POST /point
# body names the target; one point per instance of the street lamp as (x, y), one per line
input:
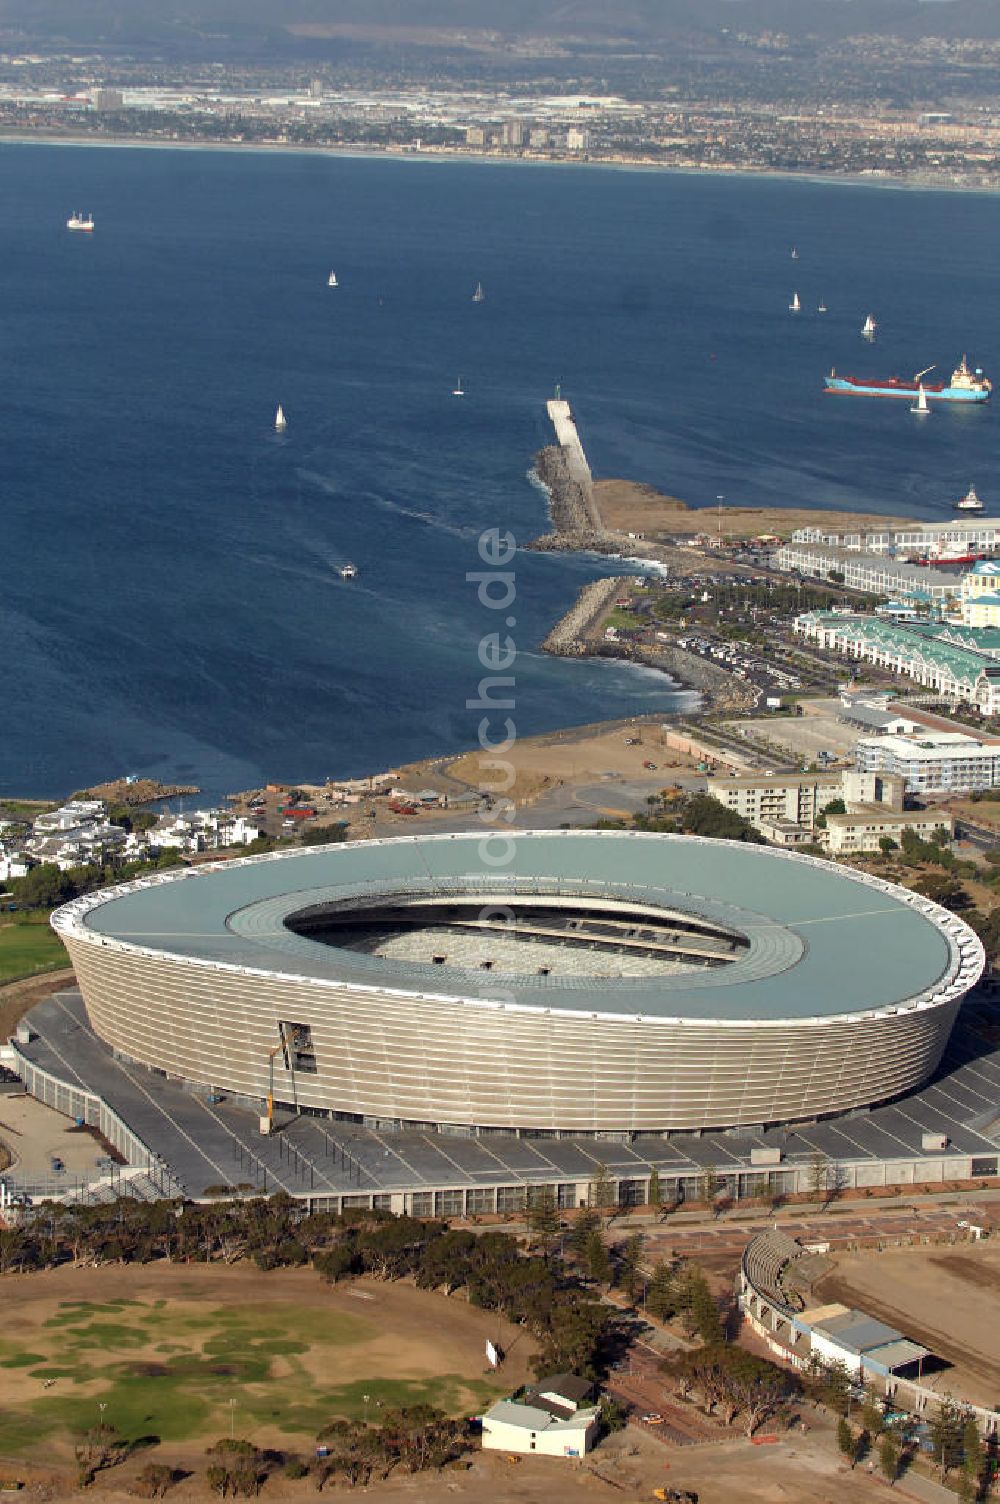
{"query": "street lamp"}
(720, 500)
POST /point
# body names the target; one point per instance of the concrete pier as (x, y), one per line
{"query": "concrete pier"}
(568, 476)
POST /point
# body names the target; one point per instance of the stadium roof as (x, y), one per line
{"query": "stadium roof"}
(823, 942)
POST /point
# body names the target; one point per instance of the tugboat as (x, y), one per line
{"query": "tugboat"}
(348, 572)
(77, 221)
(969, 502)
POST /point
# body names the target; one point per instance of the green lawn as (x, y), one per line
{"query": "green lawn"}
(170, 1369)
(27, 945)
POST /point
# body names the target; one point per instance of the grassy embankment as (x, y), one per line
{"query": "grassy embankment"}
(28, 946)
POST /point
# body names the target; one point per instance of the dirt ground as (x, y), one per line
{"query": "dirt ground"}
(542, 762)
(803, 1470)
(947, 1298)
(35, 1134)
(631, 507)
(817, 729)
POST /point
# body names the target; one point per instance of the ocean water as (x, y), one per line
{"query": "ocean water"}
(169, 599)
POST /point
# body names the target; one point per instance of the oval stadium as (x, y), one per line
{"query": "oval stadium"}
(567, 982)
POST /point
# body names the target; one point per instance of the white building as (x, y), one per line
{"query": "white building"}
(785, 806)
(77, 833)
(200, 830)
(869, 572)
(933, 762)
(71, 815)
(932, 540)
(552, 1419)
(864, 829)
(981, 595)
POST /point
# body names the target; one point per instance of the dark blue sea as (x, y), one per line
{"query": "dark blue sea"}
(169, 596)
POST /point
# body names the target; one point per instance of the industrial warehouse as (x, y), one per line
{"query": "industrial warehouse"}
(408, 1016)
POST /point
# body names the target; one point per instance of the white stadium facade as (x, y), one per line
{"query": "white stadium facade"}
(553, 983)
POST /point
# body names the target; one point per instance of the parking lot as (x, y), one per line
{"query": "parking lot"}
(818, 729)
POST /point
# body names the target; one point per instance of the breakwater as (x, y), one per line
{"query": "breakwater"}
(571, 635)
(564, 470)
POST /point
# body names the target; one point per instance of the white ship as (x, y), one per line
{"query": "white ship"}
(78, 221)
(969, 502)
(348, 571)
(331, 280)
(869, 327)
(280, 421)
(795, 305)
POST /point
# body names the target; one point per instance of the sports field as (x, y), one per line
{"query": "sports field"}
(185, 1352)
(946, 1297)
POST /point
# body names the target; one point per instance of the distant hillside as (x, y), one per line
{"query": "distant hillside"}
(652, 20)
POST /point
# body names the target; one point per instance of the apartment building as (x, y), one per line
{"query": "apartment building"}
(932, 762)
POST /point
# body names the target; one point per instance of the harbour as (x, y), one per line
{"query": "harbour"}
(225, 648)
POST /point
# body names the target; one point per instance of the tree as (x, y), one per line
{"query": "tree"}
(944, 890)
(818, 1174)
(661, 1296)
(696, 1301)
(630, 1267)
(847, 1441)
(602, 1195)
(154, 1480)
(598, 1262)
(586, 1222)
(654, 1195)
(872, 1411)
(946, 1427)
(708, 1186)
(887, 844)
(973, 1458)
(830, 1383)
(542, 1217)
(889, 1454)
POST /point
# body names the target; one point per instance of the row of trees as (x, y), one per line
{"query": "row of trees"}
(541, 1292)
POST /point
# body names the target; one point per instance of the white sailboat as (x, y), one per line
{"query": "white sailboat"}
(280, 421)
(479, 296)
(821, 308)
(869, 327)
(331, 280)
(795, 253)
(795, 306)
(458, 390)
(920, 406)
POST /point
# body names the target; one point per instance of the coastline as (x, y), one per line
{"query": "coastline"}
(445, 155)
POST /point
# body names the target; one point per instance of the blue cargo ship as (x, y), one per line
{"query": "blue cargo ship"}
(965, 385)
